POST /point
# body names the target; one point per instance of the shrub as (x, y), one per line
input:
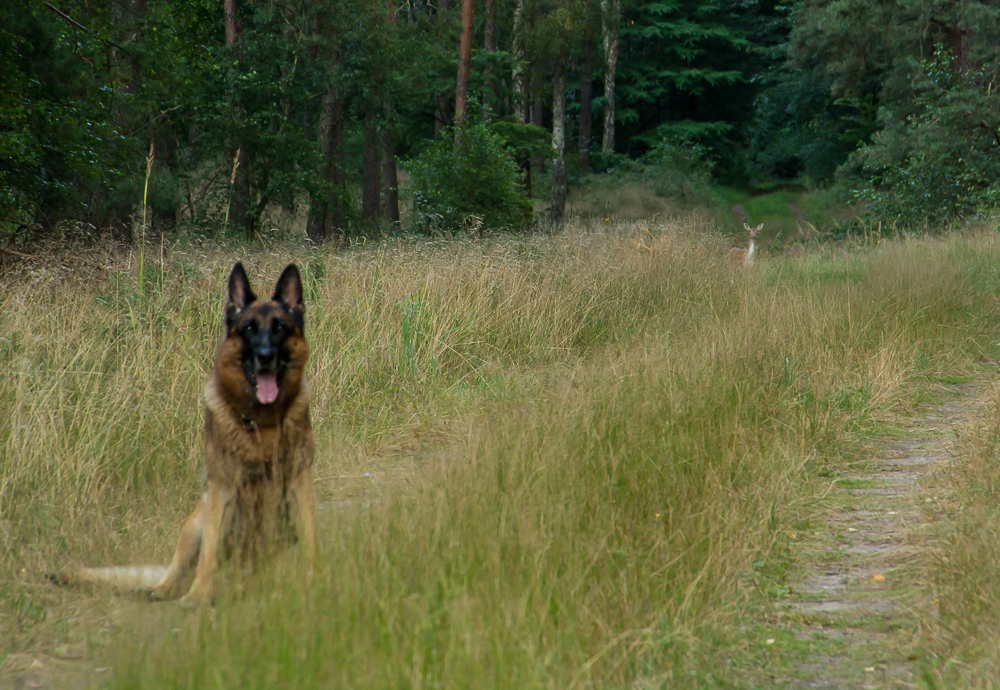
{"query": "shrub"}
(468, 173)
(674, 169)
(939, 164)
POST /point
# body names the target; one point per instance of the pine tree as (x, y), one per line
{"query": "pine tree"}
(674, 62)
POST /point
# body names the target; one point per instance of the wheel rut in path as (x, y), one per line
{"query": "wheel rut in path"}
(851, 620)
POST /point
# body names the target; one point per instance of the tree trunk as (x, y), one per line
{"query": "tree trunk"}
(959, 42)
(538, 120)
(390, 179)
(327, 215)
(559, 185)
(490, 44)
(390, 190)
(464, 60)
(489, 30)
(519, 75)
(586, 97)
(106, 207)
(138, 15)
(240, 180)
(609, 24)
(442, 107)
(337, 216)
(519, 80)
(441, 114)
(371, 180)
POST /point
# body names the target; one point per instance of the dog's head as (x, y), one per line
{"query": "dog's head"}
(267, 336)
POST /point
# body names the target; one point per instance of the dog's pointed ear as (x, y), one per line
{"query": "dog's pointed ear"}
(288, 293)
(240, 294)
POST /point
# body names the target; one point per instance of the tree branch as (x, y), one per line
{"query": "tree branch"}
(67, 17)
(85, 29)
(995, 133)
(11, 252)
(20, 224)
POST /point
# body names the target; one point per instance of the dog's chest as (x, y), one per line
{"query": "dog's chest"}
(249, 444)
(238, 446)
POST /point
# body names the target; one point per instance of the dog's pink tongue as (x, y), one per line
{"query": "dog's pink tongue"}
(267, 388)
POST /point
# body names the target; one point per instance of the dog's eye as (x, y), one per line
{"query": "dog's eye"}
(250, 327)
(278, 326)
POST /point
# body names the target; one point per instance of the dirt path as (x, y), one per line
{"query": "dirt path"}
(850, 621)
(797, 211)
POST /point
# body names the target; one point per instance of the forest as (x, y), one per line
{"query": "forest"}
(203, 116)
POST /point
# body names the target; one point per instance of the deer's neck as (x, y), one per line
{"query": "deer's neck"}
(750, 250)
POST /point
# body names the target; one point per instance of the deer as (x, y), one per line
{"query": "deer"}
(744, 257)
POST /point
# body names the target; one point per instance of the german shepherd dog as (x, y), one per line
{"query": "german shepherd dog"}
(258, 449)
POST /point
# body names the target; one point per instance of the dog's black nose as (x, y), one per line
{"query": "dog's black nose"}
(265, 352)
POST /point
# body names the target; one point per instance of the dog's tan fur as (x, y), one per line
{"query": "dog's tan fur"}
(258, 462)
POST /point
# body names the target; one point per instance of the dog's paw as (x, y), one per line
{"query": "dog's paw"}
(190, 601)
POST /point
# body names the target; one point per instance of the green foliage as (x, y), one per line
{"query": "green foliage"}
(469, 172)
(676, 170)
(56, 141)
(522, 138)
(673, 55)
(941, 163)
(858, 102)
(81, 107)
(679, 171)
(802, 130)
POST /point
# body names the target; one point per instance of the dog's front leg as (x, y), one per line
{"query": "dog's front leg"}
(218, 511)
(188, 546)
(304, 514)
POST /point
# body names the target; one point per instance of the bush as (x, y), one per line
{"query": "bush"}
(469, 173)
(676, 170)
(939, 164)
(679, 170)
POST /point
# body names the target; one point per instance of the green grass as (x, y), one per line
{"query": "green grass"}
(559, 460)
(790, 212)
(773, 206)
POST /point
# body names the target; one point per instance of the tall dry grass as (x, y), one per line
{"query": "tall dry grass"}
(586, 454)
(960, 631)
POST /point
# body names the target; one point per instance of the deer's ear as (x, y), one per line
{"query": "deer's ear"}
(759, 228)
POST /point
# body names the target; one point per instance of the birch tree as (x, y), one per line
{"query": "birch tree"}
(520, 82)
(609, 26)
(559, 182)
